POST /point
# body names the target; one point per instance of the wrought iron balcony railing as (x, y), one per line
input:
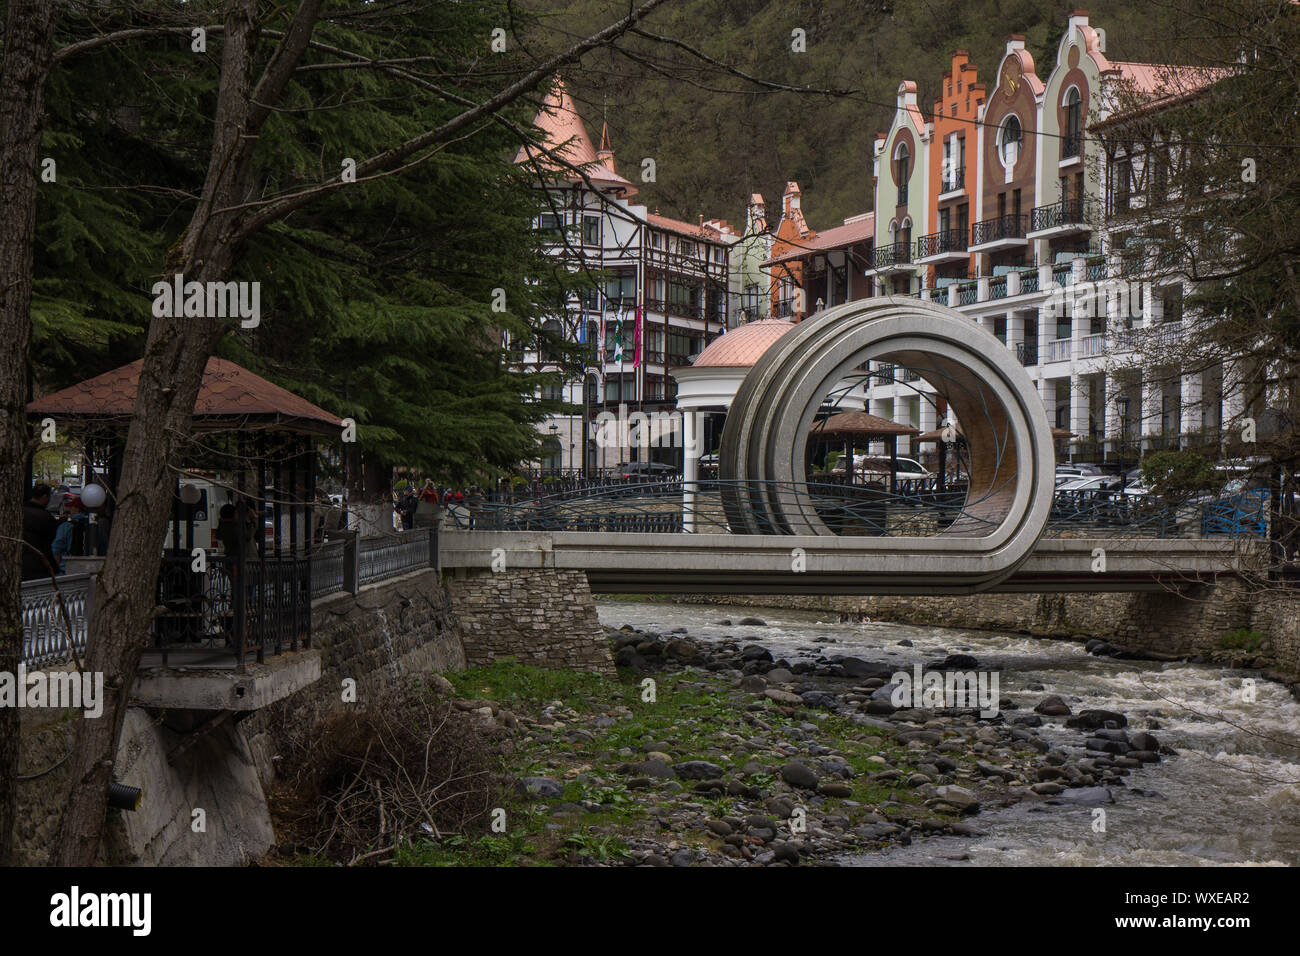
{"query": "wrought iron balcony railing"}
(1002, 227)
(885, 257)
(937, 243)
(1067, 212)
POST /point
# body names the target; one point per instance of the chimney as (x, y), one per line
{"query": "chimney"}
(790, 201)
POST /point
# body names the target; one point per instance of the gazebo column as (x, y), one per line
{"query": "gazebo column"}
(692, 438)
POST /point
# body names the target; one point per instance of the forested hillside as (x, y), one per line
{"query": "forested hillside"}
(712, 149)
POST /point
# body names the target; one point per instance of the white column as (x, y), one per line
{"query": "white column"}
(1015, 330)
(692, 436)
(1112, 424)
(1047, 392)
(1152, 404)
(1080, 405)
(1192, 411)
(1234, 396)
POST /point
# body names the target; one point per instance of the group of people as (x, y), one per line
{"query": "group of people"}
(431, 499)
(49, 540)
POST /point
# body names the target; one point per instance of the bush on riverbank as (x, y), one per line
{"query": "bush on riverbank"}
(364, 784)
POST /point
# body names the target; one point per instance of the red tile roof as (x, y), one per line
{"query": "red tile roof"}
(565, 135)
(228, 395)
(684, 228)
(853, 231)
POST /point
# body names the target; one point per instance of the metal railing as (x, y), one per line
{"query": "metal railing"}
(1067, 212)
(1028, 281)
(1027, 352)
(954, 180)
(390, 555)
(937, 243)
(998, 287)
(327, 568)
(968, 293)
(1002, 227)
(885, 257)
(230, 612)
(48, 636)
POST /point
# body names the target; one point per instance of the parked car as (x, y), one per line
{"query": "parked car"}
(876, 468)
(1091, 483)
(647, 470)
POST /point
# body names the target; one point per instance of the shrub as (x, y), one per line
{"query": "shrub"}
(1242, 639)
(362, 784)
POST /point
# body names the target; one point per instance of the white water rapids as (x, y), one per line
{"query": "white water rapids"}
(1231, 796)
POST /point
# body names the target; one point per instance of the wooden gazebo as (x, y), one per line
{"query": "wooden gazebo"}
(258, 438)
(855, 427)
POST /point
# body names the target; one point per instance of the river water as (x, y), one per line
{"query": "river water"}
(1231, 796)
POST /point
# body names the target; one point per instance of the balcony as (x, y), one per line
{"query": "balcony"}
(1058, 350)
(1027, 352)
(953, 182)
(1028, 281)
(948, 246)
(998, 288)
(1063, 218)
(1071, 146)
(1093, 346)
(1003, 232)
(892, 258)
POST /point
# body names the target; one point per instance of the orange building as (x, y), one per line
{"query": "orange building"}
(953, 174)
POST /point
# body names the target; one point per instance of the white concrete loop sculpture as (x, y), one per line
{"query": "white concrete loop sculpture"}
(762, 461)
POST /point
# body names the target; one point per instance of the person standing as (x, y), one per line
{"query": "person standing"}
(70, 538)
(39, 528)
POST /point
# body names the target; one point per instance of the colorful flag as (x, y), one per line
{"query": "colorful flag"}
(618, 338)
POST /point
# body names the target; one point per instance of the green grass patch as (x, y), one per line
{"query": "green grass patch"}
(1242, 639)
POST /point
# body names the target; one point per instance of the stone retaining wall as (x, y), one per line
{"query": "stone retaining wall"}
(538, 616)
(402, 626)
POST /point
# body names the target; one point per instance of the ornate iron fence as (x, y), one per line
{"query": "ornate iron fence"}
(55, 619)
(389, 555)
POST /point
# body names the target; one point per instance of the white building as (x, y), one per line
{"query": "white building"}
(667, 288)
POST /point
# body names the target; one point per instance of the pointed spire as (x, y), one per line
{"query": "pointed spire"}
(606, 152)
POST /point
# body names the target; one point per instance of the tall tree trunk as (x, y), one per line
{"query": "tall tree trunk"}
(22, 86)
(175, 356)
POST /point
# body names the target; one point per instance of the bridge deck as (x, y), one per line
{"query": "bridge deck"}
(820, 564)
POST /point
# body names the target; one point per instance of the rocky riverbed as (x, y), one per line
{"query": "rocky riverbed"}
(724, 753)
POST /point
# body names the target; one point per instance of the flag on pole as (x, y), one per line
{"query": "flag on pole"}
(618, 337)
(600, 345)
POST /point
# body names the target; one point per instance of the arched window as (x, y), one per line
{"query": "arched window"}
(1009, 140)
(1073, 141)
(902, 160)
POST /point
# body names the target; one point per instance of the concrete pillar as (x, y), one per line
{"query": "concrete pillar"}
(1152, 405)
(1192, 412)
(1080, 406)
(1047, 391)
(1015, 330)
(1111, 428)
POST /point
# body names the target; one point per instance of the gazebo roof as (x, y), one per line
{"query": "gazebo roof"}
(861, 424)
(229, 395)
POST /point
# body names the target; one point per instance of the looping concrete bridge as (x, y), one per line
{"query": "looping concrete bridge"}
(779, 541)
